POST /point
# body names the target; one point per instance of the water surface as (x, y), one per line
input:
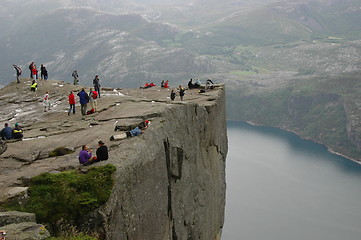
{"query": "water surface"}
(280, 187)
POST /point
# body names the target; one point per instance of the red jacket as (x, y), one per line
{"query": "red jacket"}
(71, 98)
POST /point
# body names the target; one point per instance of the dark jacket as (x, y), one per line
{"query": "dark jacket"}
(83, 96)
(7, 133)
(102, 153)
(96, 82)
(18, 133)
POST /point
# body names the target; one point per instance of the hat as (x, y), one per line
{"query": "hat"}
(101, 142)
(16, 124)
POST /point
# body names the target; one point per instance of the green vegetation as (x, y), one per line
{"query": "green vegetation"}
(313, 107)
(66, 196)
(77, 237)
(60, 151)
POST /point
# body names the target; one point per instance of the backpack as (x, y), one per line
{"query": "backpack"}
(91, 111)
(95, 94)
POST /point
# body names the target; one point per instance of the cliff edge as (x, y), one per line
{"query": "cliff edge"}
(169, 182)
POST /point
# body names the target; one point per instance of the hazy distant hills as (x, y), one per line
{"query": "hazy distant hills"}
(291, 63)
(118, 47)
(130, 42)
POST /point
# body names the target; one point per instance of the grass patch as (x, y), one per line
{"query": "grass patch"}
(66, 196)
(60, 151)
(77, 237)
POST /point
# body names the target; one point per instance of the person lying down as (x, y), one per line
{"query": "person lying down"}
(132, 133)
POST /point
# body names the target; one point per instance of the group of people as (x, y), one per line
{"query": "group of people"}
(163, 84)
(86, 157)
(192, 85)
(33, 74)
(197, 84)
(132, 132)
(181, 91)
(34, 71)
(84, 99)
(8, 133)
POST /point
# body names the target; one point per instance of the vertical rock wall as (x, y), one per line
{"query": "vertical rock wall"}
(173, 183)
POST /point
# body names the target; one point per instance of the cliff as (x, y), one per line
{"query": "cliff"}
(169, 182)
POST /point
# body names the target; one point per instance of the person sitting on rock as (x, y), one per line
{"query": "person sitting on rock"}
(17, 132)
(146, 85)
(197, 84)
(172, 95)
(102, 151)
(166, 84)
(6, 132)
(34, 85)
(209, 84)
(191, 84)
(85, 156)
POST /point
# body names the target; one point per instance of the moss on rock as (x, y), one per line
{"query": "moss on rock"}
(67, 195)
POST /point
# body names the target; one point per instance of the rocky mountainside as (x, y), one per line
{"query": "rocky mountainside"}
(169, 182)
(323, 109)
(255, 47)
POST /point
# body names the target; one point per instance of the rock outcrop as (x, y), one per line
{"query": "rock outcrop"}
(19, 225)
(170, 181)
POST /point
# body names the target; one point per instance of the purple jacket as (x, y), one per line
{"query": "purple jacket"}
(84, 156)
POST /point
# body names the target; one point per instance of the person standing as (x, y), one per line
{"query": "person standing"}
(75, 76)
(43, 72)
(172, 95)
(96, 84)
(181, 92)
(31, 66)
(71, 98)
(93, 95)
(18, 72)
(102, 151)
(84, 99)
(46, 101)
(35, 72)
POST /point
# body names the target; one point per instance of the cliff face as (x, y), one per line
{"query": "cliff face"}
(173, 185)
(170, 181)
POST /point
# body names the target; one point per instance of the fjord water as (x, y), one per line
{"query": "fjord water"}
(280, 187)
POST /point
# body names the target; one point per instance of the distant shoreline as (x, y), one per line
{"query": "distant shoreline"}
(308, 139)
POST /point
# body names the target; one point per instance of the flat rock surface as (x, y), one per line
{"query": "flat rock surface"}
(14, 217)
(26, 231)
(46, 131)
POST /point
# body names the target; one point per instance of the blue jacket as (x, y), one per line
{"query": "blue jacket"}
(7, 133)
(83, 96)
(135, 132)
